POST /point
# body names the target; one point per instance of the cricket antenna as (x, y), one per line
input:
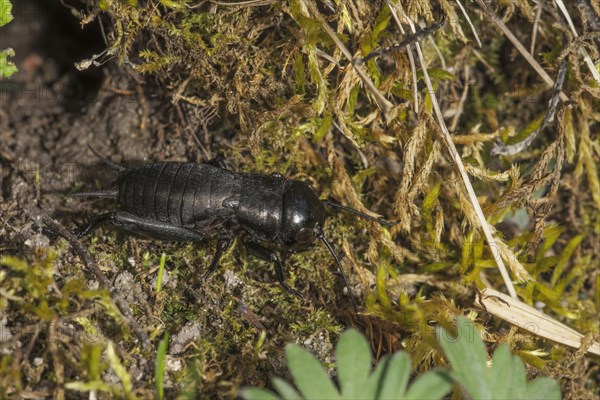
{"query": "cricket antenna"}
(319, 233)
(333, 204)
(112, 165)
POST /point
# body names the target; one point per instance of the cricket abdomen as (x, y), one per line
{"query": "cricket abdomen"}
(178, 193)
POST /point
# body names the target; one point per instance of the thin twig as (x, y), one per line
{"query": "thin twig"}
(90, 264)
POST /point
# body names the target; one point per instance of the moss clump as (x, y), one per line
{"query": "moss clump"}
(266, 86)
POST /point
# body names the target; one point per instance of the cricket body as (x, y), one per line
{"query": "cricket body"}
(191, 202)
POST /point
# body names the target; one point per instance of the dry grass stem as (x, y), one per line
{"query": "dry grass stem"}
(492, 242)
(462, 9)
(530, 319)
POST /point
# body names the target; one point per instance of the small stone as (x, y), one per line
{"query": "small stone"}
(189, 333)
(174, 364)
(37, 241)
(124, 284)
(231, 279)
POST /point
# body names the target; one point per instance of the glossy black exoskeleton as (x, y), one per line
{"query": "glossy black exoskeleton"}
(191, 202)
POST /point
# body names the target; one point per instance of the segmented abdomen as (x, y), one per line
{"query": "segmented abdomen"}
(179, 193)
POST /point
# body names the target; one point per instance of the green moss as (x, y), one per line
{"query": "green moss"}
(295, 111)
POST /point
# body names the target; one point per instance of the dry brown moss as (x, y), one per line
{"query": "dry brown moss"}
(288, 101)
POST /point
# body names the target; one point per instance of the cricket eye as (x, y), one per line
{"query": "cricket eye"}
(305, 236)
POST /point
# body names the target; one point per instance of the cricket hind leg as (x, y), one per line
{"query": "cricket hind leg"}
(83, 230)
(143, 226)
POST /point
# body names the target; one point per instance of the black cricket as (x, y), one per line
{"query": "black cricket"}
(189, 202)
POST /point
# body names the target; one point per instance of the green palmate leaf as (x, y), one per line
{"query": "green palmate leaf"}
(376, 378)
(431, 385)
(285, 390)
(309, 375)
(393, 385)
(257, 394)
(356, 378)
(505, 379)
(542, 388)
(513, 371)
(466, 349)
(354, 366)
